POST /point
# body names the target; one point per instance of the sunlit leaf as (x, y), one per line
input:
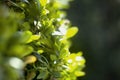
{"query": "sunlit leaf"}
(71, 32)
(25, 36)
(45, 11)
(79, 73)
(33, 37)
(43, 2)
(40, 51)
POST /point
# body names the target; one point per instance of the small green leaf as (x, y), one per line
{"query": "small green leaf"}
(33, 38)
(45, 11)
(57, 74)
(43, 2)
(42, 75)
(79, 73)
(53, 57)
(71, 32)
(40, 51)
(25, 36)
(64, 52)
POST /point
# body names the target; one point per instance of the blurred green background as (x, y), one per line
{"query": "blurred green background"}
(98, 37)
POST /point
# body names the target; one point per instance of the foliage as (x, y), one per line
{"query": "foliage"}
(35, 41)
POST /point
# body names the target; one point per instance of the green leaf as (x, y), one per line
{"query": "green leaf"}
(43, 2)
(20, 50)
(57, 74)
(71, 32)
(26, 35)
(42, 75)
(53, 57)
(79, 73)
(26, 26)
(33, 38)
(45, 11)
(21, 37)
(64, 52)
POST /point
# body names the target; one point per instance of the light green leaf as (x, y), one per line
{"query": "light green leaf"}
(33, 38)
(43, 2)
(20, 50)
(53, 57)
(79, 73)
(45, 11)
(71, 32)
(64, 52)
(25, 36)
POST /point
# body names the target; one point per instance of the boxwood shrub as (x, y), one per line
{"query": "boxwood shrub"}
(35, 40)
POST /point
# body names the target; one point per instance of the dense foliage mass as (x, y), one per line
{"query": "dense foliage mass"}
(35, 41)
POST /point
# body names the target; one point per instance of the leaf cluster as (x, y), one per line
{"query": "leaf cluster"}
(35, 41)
